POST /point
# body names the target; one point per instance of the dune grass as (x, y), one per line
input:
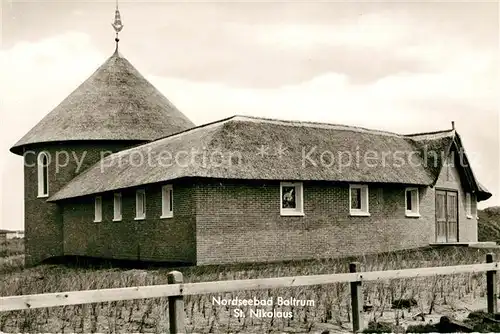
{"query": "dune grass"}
(331, 309)
(11, 247)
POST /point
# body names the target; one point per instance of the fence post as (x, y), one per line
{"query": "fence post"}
(356, 299)
(176, 305)
(491, 285)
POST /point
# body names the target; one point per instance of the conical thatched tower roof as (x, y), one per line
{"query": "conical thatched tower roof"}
(115, 103)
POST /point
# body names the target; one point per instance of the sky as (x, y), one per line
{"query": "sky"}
(403, 67)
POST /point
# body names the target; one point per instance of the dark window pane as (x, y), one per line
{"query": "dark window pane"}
(289, 199)
(408, 200)
(45, 174)
(356, 198)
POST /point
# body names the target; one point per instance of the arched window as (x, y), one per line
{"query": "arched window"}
(43, 174)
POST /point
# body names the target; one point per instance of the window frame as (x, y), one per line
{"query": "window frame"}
(468, 205)
(299, 199)
(365, 200)
(414, 213)
(42, 170)
(142, 193)
(167, 199)
(97, 209)
(117, 209)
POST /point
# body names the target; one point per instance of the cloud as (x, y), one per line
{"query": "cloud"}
(366, 46)
(370, 30)
(333, 97)
(35, 78)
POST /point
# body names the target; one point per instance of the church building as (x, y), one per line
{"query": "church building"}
(116, 171)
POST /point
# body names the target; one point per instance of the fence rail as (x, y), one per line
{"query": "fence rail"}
(176, 289)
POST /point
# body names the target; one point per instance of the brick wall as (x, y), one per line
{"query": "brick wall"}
(42, 220)
(241, 222)
(225, 221)
(152, 239)
(467, 226)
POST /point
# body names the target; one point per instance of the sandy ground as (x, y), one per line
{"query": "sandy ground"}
(457, 309)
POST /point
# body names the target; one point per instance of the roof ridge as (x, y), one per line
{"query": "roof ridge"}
(221, 121)
(428, 133)
(333, 126)
(194, 128)
(291, 122)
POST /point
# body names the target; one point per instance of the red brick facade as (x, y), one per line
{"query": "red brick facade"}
(43, 220)
(226, 221)
(151, 239)
(254, 230)
(240, 221)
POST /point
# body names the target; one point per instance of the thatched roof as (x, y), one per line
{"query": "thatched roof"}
(248, 148)
(115, 103)
(445, 143)
(434, 142)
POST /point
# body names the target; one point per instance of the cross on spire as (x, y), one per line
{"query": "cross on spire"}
(117, 25)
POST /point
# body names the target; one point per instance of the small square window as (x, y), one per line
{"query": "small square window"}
(358, 200)
(117, 207)
(98, 209)
(291, 199)
(167, 201)
(412, 202)
(140, 204)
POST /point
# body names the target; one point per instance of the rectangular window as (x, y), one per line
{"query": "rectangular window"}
(43, 175)
(98, 209)
(140, 204)
(167, 201)
(117, 207)
(412, 202)
(468, 205)
(291, 199)
(358, 200)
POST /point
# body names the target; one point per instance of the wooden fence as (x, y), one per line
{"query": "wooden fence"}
(176, 289)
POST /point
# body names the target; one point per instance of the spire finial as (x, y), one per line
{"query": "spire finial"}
(453, 125)
(117, 25)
